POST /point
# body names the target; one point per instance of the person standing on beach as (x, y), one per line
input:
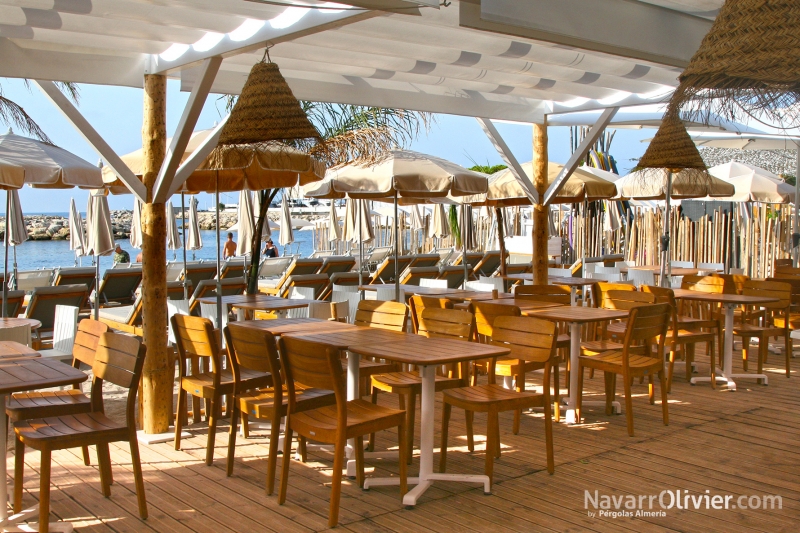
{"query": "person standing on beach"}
(120, 255)
(230, 248)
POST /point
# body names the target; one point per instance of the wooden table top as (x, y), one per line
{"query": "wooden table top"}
(15, 350)
(553, 280)
(15, 322)
(284, 326)
(31, 374)
(676, 271)
(524, 305)
(457, 295)
(581, 315)
(256, 302)
(737, 299)
(358, 336)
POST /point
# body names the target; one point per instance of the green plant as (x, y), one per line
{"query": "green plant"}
(12, 113)
(487, 168)
(452, 219)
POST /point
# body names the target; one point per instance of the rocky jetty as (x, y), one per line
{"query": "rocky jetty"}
(56, 228)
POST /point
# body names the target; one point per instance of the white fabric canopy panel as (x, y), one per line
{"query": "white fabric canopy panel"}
(753, 184)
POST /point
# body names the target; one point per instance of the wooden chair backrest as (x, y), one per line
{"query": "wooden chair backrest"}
(486, 314)
(779, 263)
(645, 323)
(770, 289)
(712, 284)
(252, 349)
(627, 300)
(662, 294)
(601, 288)
(447, 323)
(795, 284)
(417, 303)
(86, 341)
(382, 314)
(734, 283)
(119, 360)
(543, 293)
(195, 337)
(314, 364)
(529, 339)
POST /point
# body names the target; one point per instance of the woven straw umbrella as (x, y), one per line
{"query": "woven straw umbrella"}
(673, 151)
(749, 62)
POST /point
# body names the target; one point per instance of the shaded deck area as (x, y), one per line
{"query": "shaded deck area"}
(727, 443)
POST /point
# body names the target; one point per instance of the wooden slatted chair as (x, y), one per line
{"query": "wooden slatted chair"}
(257, 351)
(417, 303)
(119, 360)
(532, 342)
(196, 340)
(794, 313)
(318, 365)
(544, 293)
(646, 324)
(779, 309)
(43, 404)
(695, 315)
(408, 385)
(682, 341)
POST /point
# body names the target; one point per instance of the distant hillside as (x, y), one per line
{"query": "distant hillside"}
(781, 162)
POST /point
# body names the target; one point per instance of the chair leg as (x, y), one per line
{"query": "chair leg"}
(446, 408)
(470, 416)
(664, 401)
(287, 460)
(671, 369)
(788, 349)
(556, 394)
(712, 354)
(520, 382)
(763, 350)
(651, 391)
(688, 350)
(86, 460)
(19, 472)
(138, 478)
(497, 435)
(608, 378)
(302, 449)
(548, 437)
(411, 412)
(403, 467)
(104, 461)
(371, 445)
(232, 438)
(245, 424)
(628, 404)
(745, 346)
(211, 413)
(360, 461)
(491, 446)
(44, 492)
(336, 483)
(179, 418)
(272, 460)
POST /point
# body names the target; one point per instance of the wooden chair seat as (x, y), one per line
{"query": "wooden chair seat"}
(367, 368)
(760, 332)
(202, 384)
(29, 405)
(616, 329)
(794, 321)
(599, 346)
(261, 403)
(612, 360)
(563, 341)
(406, 382)
(362, 417)
(60, 432)
(480, 398)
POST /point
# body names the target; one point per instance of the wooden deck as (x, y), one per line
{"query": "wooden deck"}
(737, 443)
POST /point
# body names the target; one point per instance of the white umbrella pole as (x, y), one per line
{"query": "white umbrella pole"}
(360, 249)
(396, 252)
(219, 281)
(97, 288)
(15, 268)
(183, 223)
(464, 245)
(665, 246)
(5, 257)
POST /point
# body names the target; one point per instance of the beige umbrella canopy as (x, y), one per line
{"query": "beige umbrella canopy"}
(651, 184)
(505, 190)
(753, 184)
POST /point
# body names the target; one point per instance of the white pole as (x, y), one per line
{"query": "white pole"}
(665, 245)
(5, 257)
(219, 281)
(183, 223)
(396, 252)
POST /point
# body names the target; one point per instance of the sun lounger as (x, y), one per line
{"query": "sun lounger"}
(378, 255)
(128, 318)
(412, 275)
(16, 300)
(43, 302)
(454, 276)
(233, 268)
(337, 263)
(27, 280)
(74, 276)
(385, 271)
(425, 260)
(472, 258)
(119, 285)
(207, 288)
(344, 279)
(445, 255)
(311, 282)
(488, 264)
(299, 267)
(199, 272)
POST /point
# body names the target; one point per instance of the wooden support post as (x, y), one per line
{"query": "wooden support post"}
(540, 220)
(158, 375)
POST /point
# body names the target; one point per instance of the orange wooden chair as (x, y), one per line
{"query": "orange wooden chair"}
(775, 324)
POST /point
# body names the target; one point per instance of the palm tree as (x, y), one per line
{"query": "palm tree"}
(351, 133)
(12, 113)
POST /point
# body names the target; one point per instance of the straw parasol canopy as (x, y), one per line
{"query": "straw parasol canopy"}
(749, 62)
(673, 149)
(753, 184)
(505, 190)
(253, 167)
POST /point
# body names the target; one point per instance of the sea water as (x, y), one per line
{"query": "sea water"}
(35, 255)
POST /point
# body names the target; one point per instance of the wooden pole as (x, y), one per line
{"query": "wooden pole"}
(158, 374)
(501, 238)
(540, 220)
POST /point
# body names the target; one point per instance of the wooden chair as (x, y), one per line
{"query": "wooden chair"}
(544, 293)
(645, 325)
(318, 365)
(680, 340)
(417, 303)
(533, 343)
(600, 290)
(794, 313)
(119, 360)
(782, 263)
(786, 272)
(196, 339)
(702, 315)
(779, 310)
(43, 404)
(43, 302)
(413, 275)
(408, 385)
(257, 351)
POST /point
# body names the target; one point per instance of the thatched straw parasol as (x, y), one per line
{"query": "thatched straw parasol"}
(748, 63)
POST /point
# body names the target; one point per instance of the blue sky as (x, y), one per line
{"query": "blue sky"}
(116, 113)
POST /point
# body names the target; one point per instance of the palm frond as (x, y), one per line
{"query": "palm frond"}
(72, 90)
(12, 113)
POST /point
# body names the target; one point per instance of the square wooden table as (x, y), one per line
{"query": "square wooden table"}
(729, 303)
(575, 317)
(572, 283)
(284, 326)
(258, 302)
(18, 375)
(456, 295)
(526, 307)
(427, 354)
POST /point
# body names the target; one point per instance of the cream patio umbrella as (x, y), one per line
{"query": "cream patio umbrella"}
(39, 165)
(173, 237)
(753, 184)
(439, 227)
(194, 240)
(266, 230)
(136, 224)
(334, 230)
(287, 233)
(99, 236)
(16, 232)
(405, 174)
(244, 224)
(77, 237)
